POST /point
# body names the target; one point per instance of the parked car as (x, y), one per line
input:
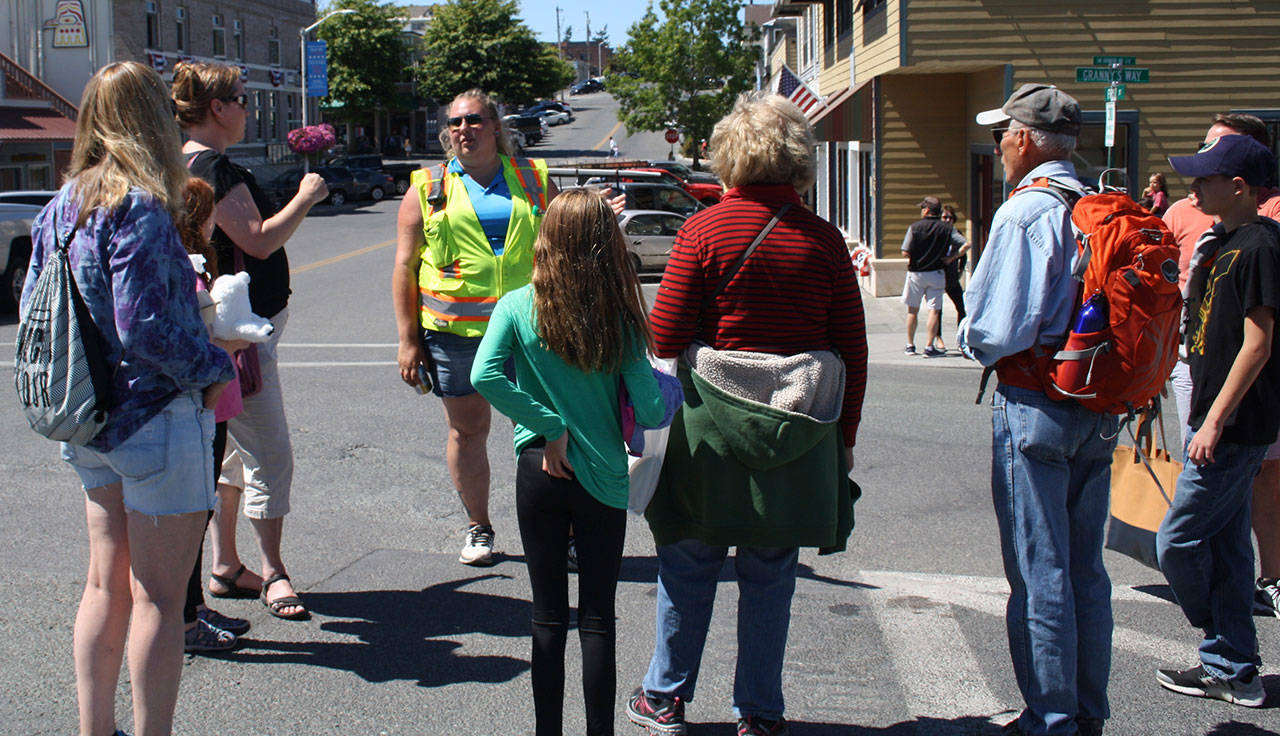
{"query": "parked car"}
(586, 86)
(373, 184)
(644, 195)
(531, 126)
(650, 235)
(400, 172)
(38, 197)
(342, 185)
(15, 250)
(707, 194)
(555, 117)
(538, 108)
(686, 173)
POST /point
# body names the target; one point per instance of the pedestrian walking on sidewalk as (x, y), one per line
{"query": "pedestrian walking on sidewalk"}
(147, 474)
(954, 264)
(1232, 294)
(759, 302)
(927, 244)
(577, 334)
(1051, 467)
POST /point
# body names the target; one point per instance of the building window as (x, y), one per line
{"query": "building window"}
(273, 45)
(259, 119)
(273, 102)
(219, 37)
(180, 43)
(807, 31)
(237, 38)
(153, 26)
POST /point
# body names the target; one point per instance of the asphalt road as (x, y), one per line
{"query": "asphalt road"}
(902, 634)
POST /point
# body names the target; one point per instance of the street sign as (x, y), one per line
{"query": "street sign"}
(1109, 138)
(317, 69)
(672, 136)
(1121, 60)
(1115, 92)
(1107, 74)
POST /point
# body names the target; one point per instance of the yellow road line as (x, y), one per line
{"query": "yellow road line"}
(605, 140)
(343, 257)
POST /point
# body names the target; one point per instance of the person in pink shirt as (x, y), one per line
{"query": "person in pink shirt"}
(1188, 223)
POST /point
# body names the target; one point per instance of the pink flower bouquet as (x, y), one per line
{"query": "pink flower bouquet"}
(312, 139)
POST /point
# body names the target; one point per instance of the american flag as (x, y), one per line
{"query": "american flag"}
(790, 87)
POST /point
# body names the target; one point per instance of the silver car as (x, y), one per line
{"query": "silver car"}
(650, 235)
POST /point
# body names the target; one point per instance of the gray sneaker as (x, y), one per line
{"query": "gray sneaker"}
(1266, 597)
(1197, 682)
(478, 550)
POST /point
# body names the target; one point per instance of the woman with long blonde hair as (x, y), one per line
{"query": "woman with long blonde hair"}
(148, 474)
(577, 334)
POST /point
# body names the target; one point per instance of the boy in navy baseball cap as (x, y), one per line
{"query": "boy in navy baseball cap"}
(1233, 346)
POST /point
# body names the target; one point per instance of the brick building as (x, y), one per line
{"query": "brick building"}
(62, 42)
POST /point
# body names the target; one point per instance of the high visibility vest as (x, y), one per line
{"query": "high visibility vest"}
(460, 279)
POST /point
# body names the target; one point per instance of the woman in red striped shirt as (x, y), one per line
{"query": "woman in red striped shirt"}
(773, 361)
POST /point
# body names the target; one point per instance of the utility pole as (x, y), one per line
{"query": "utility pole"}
(559, 43)
(588, 14)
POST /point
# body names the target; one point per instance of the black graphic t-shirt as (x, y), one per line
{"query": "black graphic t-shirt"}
(1246, 274)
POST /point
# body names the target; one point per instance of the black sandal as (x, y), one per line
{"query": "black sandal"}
(229, 582)
(289, 601)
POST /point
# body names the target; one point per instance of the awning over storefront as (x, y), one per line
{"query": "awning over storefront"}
(845, 116)
(836, 101)
(26, 124)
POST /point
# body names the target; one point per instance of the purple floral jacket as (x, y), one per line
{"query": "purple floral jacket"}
(140, 289)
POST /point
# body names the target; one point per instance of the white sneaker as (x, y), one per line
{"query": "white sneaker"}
(478, 550)
(1266, 597)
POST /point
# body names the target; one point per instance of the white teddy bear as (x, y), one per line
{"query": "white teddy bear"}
(234, 318)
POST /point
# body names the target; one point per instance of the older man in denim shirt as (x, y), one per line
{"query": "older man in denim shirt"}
(1051, 460)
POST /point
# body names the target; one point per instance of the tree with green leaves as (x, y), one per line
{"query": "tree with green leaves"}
(679, 61)
(602, 35)
(362, 47)
(568, 34)
(483, 43)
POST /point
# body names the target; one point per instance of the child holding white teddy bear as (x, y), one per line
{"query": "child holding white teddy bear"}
(233, 326)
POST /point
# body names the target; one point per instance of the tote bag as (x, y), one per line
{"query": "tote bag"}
(1143, 480)
(60, 371)
(645, 470)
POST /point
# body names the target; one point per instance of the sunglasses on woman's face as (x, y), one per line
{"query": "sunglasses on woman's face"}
(471, 119)
(241, 99)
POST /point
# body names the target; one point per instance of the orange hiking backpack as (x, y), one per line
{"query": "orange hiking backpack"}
(1124, 337)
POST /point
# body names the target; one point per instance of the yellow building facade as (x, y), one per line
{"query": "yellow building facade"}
(902, 81)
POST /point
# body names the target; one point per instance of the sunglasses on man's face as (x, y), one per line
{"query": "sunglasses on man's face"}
(241, 99)
(998, 134)
(471, 119)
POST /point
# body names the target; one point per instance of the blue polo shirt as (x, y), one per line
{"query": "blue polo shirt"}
(492, 205)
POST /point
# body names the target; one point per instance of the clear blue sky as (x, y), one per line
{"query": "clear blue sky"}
(540, 15)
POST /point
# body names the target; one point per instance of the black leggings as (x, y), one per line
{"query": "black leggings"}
(956, 292)
(195, 593)
(546, 508)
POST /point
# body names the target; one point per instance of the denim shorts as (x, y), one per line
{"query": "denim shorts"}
(450, 364)
(165, 468)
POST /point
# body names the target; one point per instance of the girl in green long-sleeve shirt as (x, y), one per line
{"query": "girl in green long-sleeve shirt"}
(576, 333)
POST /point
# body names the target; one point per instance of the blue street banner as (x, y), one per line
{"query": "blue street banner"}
(317, 69)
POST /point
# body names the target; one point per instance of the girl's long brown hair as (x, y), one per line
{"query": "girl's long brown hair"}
(588, 306)
(197, 196)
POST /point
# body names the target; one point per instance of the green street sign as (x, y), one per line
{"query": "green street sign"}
(1115, 92)
(1121, 60)
(1108, 75)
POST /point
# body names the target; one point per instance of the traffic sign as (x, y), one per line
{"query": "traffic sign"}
(1107, 74)
(1115, 92)
(673, 135)
(317, 69)
(1121, 60)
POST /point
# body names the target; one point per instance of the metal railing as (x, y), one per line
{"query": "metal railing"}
(33, 87)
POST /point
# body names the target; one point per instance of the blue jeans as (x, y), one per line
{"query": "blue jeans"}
(1050, 481)
(687, 573)
(1206, 554)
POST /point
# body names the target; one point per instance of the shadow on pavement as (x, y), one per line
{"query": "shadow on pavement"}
(399, 641)
(963, 726)
(645, 570)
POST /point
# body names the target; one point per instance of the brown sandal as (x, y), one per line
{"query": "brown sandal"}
(229, 582)
(289, 601)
